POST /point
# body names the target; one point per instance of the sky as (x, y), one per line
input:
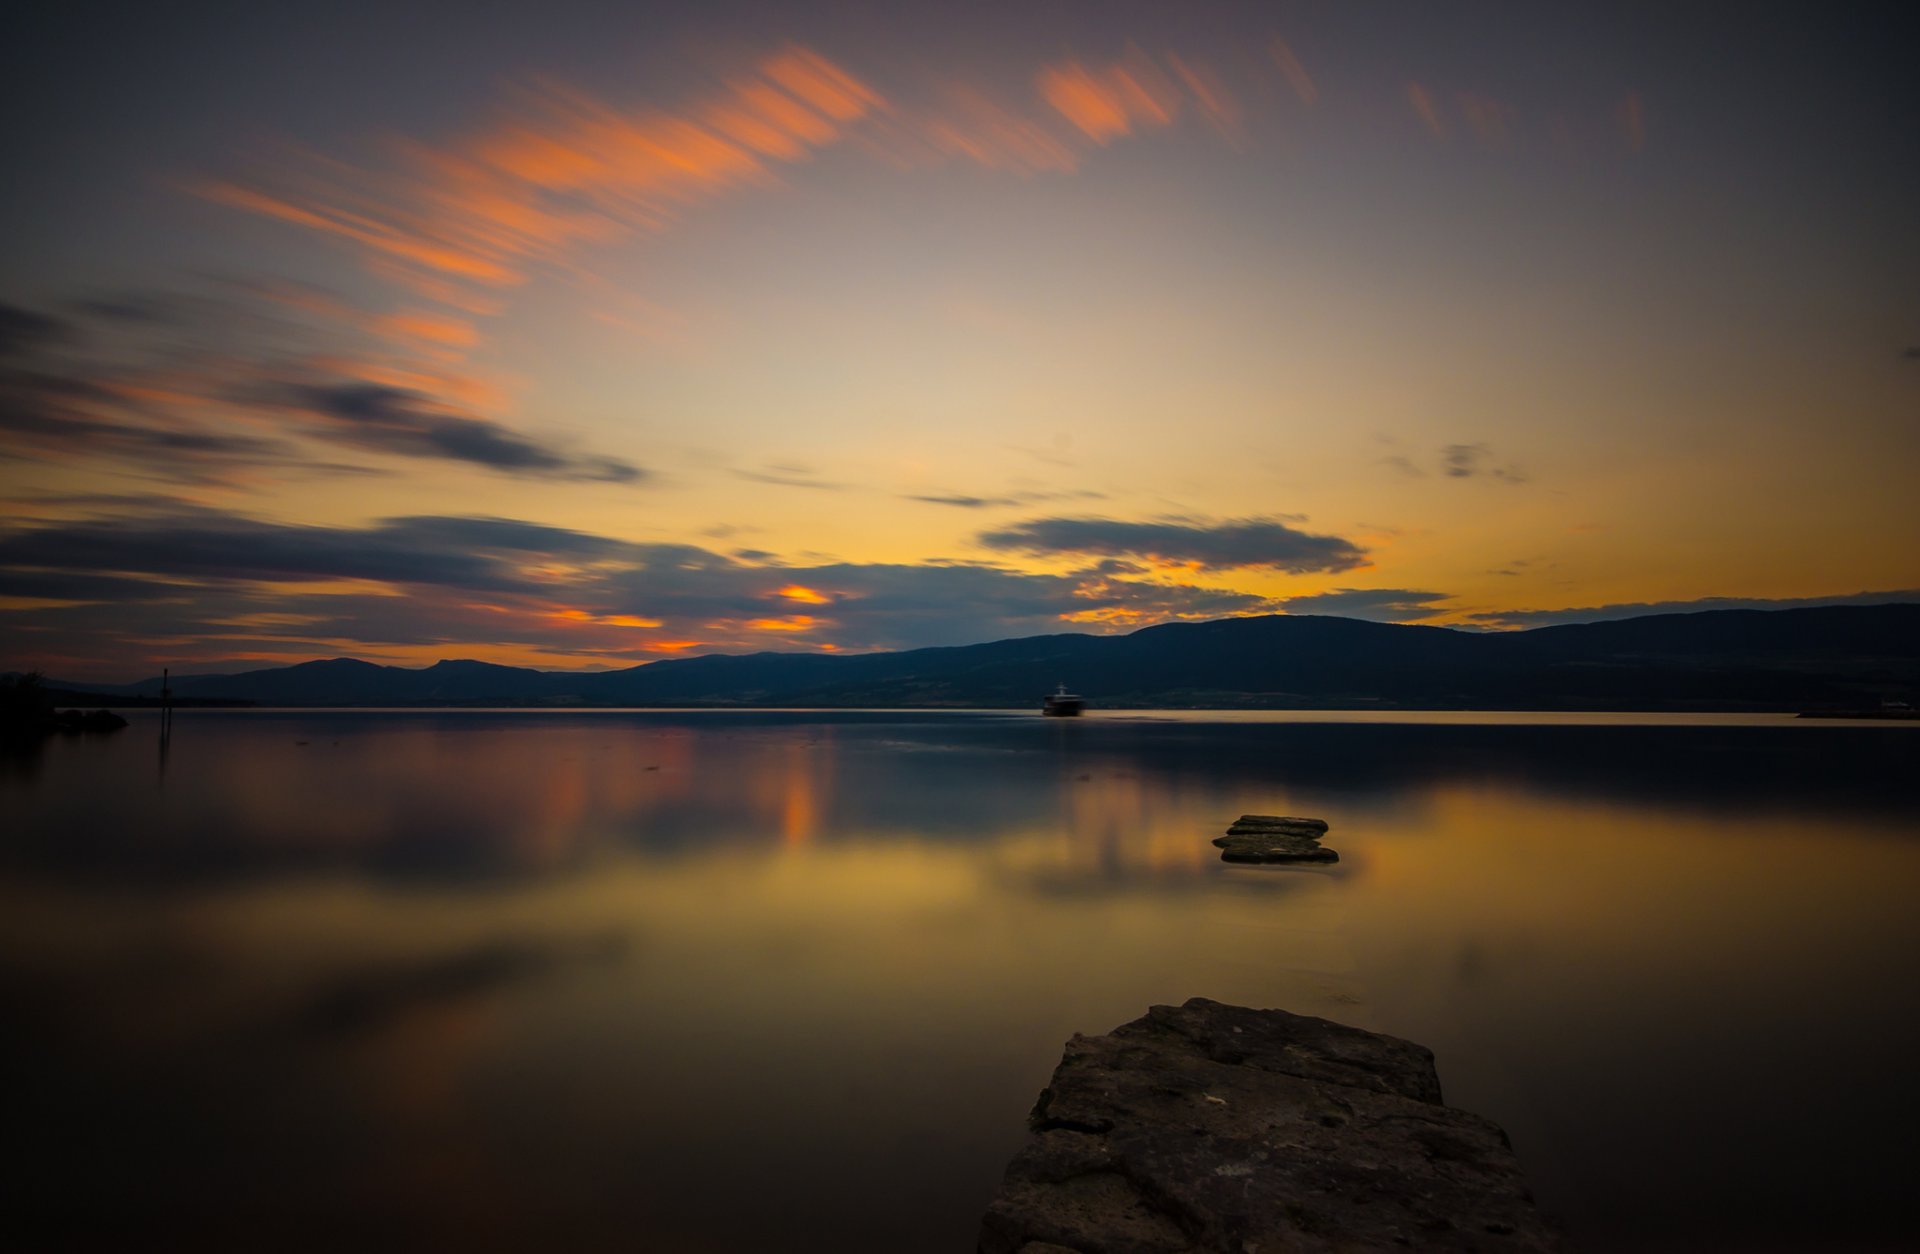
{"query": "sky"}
(581, 335)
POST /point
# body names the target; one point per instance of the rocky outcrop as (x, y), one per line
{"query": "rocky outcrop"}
(1207, 1127)
(1275, 838)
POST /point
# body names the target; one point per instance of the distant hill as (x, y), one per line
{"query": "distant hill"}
(1828, 657)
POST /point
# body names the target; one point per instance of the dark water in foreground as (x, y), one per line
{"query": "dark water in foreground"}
(787, 981)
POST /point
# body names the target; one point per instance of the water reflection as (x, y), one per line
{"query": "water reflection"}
(525, 980)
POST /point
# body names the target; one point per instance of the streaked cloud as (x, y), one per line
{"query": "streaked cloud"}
(562, 171)
(970, 124)
(1108, 102)
(204, 391)
(410, 424)
(1235, 543)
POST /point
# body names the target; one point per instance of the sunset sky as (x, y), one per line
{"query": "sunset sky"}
(585, 334)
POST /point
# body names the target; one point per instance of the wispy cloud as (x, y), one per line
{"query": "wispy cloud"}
(1465, 461)
(790, 475)
(963, 501)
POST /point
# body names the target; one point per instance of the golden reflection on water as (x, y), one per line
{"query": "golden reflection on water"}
(501, 977)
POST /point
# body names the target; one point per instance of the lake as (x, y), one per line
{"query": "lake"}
(732, 981)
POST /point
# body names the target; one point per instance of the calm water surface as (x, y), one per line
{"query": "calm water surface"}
(787, 981)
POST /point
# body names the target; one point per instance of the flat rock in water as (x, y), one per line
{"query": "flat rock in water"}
(1250, 823)
(1273, 847)
(1206, 1127)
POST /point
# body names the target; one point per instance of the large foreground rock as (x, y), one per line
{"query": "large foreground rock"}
(1207, 1127)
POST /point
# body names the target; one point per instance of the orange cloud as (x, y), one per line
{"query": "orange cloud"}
(977, 128)
(385, 239)
(793, 622)
(1112, 615)
(609, 620)
(565, 172)
(805, 595)
(821, 84)
(1109, 103)
(430, 328)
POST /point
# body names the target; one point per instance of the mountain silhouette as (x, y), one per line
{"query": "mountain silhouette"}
(1827, 657)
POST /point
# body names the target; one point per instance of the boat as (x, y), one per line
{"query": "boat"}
(1063, 704)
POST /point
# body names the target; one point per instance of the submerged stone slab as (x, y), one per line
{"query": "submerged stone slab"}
(1273, 847)
(1206, 1127)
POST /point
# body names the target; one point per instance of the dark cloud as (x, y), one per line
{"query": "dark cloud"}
(51, 417)
(23, 330)
(192, 584)
(213, 545)
(1381, 605)
(1459, 461)
(85, 586)
(1464, 461)
(1635, 609)
(138, 307)
(395, 420)
(177, 387)
(1114, 566)
(1233, 543)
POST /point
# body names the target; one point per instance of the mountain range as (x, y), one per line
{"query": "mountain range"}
(1795, 659)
